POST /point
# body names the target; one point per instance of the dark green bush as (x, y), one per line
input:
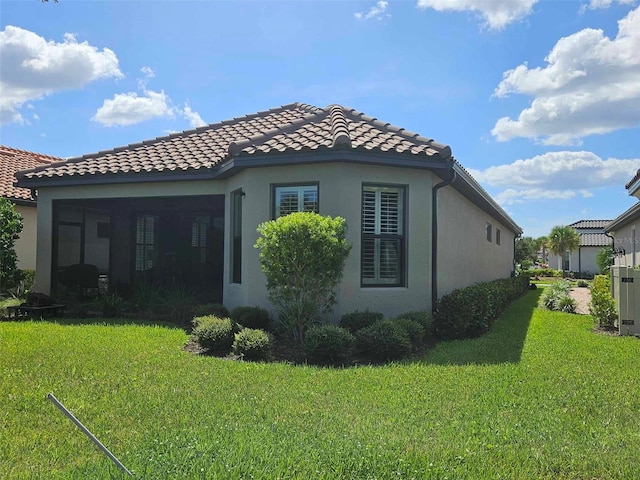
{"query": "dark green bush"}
(329, 345)
(252, 317)
(355, 321)
(110, 305)
(602, 306)
(423, 317)
(211, 309)
(214, 333)
(252, 344)
(383, 341)
(471, 311)
(414, 330)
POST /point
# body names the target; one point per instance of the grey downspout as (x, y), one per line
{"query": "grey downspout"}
(434, 237)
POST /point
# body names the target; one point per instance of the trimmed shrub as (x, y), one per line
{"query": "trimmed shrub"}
(252, 344)
(414, 330)
(383, 341)
(602, 306)
(252, 317)
(329, 345)
(542, 272)
(422, 317)
(211, 309)
(214, 333)
(471, 311)
(355, 321)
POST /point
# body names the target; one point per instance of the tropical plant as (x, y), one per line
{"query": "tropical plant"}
(10, 228)
(604, 259)
(562, 239)
(302, 255)
(542, 245)
(602, 306)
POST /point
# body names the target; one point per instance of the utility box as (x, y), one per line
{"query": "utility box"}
(625, 286)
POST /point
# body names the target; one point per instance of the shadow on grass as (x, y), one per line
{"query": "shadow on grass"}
(503, 344)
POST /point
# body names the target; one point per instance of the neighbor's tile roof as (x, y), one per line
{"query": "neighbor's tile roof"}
(590, 224)
(11, 161)
(594, 240)
(294, 128)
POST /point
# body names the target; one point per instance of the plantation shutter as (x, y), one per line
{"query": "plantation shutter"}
(296, 199)
(382, 235)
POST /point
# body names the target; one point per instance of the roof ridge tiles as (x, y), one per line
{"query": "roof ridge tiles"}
(339, 127)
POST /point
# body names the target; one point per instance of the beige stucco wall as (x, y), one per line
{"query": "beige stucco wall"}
(25, 245)
(339, 190)
(627, 238)
(465, 256)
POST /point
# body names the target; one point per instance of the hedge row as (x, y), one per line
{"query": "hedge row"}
(470, 312)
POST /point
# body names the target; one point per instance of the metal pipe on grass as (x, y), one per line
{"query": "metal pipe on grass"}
(86, 431)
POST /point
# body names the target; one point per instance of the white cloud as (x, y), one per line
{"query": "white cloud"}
(496, 14)
(511, 196)
(129, 108)
(377, 11)
(558, 175)
(590, 85)
(598, 4)
(33, 67)
(195, 120)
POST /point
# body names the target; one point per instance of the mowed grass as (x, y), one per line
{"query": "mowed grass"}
(541, 396)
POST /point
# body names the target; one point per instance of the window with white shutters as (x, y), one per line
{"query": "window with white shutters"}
(295, 198)
(383, 238)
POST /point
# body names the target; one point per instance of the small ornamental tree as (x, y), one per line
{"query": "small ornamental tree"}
(604, 259)
(10, 228)
(303, 256)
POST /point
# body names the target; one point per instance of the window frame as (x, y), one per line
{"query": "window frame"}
(489, 232)
(498, 240)
(297, 185)
(235, 234)
(403, 238)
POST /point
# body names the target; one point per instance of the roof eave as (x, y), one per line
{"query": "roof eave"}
(488, 204)
(627, 216)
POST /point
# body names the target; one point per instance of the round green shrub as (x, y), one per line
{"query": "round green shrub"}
(383, 341)
(252, 344)
(329, 345)
(214, 333)
(423, 317)
(355, 321)
(414, 330)
(211, 309)
(252, 317)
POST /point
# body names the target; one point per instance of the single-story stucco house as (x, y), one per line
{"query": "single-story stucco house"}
(624, 229)
(592, 239)
(13, 160)
(186, 206)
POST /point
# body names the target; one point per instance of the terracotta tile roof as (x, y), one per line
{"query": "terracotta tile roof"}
(294, 128)
(590, 224)
(13, 160)
(594, 240)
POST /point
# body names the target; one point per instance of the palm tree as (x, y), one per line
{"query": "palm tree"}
(561, 240)
(541, 244)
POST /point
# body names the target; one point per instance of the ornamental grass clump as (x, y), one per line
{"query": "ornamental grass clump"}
(556, 297)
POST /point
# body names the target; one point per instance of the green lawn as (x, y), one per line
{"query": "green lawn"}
(541, 396)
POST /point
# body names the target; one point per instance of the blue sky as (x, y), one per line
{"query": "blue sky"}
(539, 99)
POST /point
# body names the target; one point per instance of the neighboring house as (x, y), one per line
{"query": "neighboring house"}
(185, 208)
(624, 229)
(592, 240)
(11, 161)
